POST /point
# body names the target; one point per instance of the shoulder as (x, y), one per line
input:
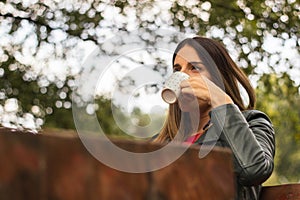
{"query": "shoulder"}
(253, 117)
(257, 117)
(232, 109)
(255, 114)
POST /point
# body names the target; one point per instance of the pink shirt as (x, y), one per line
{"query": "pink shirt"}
(193, 138)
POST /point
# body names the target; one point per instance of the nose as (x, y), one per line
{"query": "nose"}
(182, 68)
(186, 70)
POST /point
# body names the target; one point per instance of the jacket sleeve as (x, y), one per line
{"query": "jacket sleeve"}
(251, 139)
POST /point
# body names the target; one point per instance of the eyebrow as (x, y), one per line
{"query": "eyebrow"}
(195, 62)
(192, 63)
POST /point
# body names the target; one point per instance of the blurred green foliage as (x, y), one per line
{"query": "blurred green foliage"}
(277, 96)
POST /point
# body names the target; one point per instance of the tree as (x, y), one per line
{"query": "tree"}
(278, 97)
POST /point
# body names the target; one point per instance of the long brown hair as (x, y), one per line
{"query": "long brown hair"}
(227, 75)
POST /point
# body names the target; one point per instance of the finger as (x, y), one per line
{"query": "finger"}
(190, 94)
(187, 97)
(187, 90)
(209, 84)
(185, 84)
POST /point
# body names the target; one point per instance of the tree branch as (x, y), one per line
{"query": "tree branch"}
(42, 23)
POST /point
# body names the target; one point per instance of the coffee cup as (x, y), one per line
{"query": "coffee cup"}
(171, 89)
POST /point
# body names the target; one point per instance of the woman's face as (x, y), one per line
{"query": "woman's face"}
(188, 61)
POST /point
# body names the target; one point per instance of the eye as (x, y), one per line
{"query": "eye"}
(196, 68)
(176, 68)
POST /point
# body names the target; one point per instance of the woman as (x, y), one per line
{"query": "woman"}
(222, 118)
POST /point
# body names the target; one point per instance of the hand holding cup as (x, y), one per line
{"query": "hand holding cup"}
(171, 90)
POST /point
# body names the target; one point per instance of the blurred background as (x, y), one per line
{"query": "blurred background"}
(46, 45)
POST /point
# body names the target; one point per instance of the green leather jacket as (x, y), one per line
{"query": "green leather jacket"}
(250, 136)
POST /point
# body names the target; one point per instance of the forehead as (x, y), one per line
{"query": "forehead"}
(186, 54)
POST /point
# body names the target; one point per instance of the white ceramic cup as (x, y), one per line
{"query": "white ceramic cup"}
(171, 89)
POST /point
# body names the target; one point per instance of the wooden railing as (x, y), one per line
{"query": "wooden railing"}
(281, 192)
(55, 165)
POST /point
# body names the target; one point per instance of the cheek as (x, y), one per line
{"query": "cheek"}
(194, 73)
(207, 75)
(199, 72)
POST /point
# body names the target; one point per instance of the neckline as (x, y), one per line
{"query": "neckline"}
(194, 137)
